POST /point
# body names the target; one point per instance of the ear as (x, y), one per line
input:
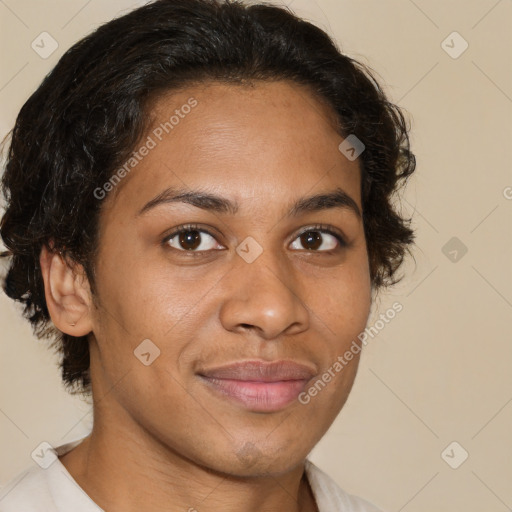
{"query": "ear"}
(67, 293)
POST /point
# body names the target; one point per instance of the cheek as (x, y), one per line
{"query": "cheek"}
(342, 301)
(170, 309)
(341, 309)
(146, 299)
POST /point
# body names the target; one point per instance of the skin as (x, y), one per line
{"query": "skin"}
(160, 434)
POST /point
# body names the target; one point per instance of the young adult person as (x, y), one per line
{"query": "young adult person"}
(199, 214)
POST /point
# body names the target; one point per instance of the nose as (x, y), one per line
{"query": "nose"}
(264, 296)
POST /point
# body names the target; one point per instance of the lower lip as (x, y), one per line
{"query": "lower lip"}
(258, 396)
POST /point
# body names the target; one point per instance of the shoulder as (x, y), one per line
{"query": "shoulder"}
(28, 491)
(47, 487)
(329, 496)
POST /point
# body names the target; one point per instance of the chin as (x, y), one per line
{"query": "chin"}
(250, 460)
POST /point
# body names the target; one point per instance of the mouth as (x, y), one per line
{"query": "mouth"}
(259, 386)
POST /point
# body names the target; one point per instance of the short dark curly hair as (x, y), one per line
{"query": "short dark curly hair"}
(87, 115)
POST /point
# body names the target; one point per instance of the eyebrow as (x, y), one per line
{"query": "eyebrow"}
(337, 198)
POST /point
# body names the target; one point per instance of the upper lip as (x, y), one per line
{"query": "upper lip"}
(261, 371)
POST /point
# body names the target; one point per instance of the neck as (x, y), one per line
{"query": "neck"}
(122, 467)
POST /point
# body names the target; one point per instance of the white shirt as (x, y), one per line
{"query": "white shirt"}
(54, 490)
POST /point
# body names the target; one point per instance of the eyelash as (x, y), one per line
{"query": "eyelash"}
(314, 228)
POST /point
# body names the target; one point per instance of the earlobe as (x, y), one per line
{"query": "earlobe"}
(67, 293)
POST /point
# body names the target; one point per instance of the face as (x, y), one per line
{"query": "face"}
(254, 300)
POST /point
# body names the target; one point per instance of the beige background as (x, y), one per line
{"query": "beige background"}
(440, 371)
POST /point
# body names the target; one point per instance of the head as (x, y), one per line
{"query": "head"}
(179, 196)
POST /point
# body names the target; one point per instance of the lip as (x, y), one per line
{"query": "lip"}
(260, 386)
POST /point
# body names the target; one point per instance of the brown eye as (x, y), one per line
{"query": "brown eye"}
(189, 239)
(318, 240)
(311, 240)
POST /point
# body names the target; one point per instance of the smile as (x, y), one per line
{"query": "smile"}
(258, 385)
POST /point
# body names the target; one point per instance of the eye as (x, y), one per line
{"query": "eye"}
(314, 239)
(191, 239)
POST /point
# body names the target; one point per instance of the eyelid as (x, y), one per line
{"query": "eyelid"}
(314, 227)
(185, 228)
(325, 229)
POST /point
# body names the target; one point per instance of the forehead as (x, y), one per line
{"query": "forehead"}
(250, 139)
(241, 99)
